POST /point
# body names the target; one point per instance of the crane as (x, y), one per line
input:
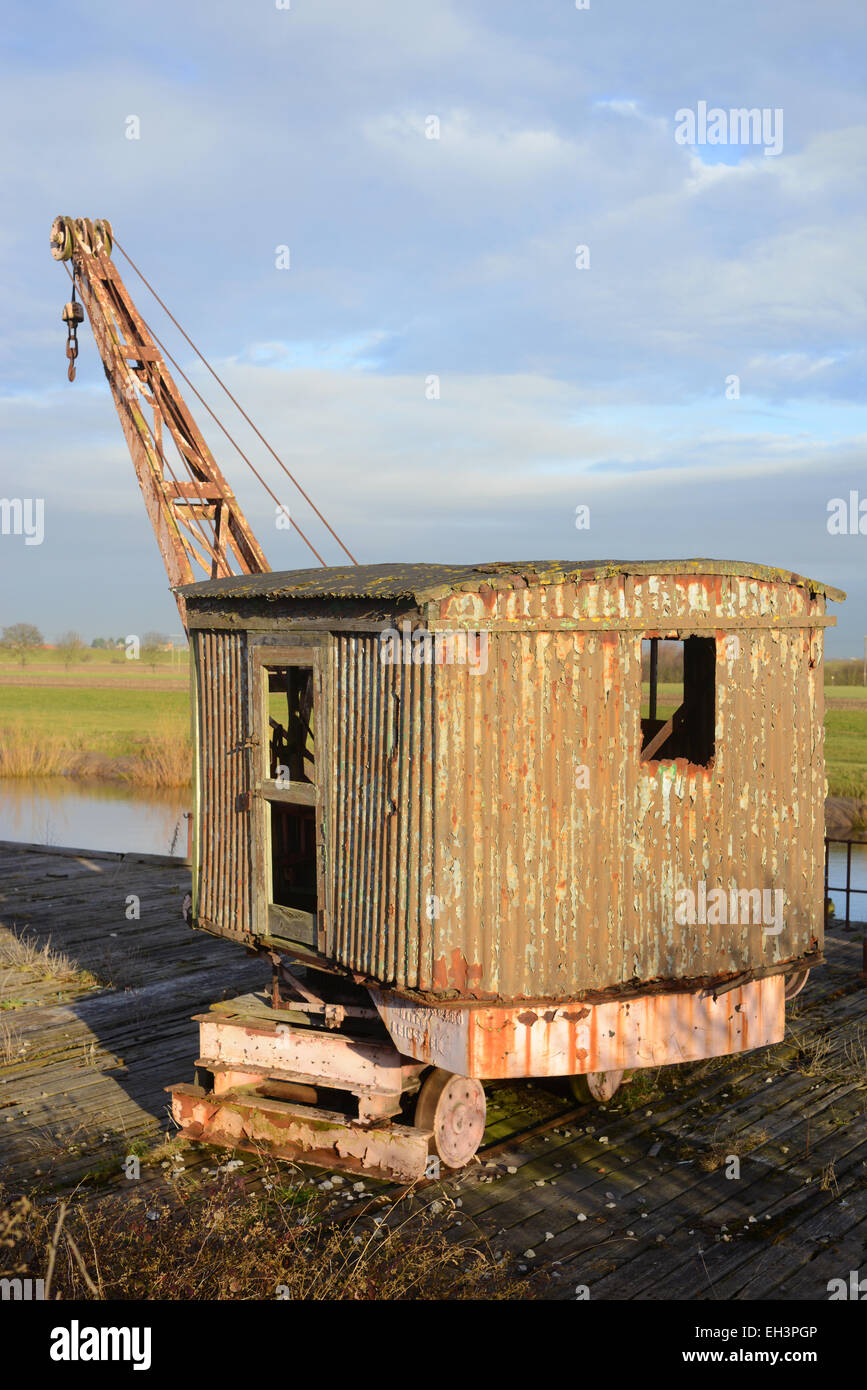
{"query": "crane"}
(200, 527)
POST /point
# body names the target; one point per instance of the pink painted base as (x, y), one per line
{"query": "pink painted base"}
(493, 1042)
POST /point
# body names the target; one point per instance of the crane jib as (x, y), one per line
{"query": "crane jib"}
(200, 528)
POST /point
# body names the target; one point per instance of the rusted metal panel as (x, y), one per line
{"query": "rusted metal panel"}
(496, 834)
(381, 834)
(224, 843)
(525, 860)
(550, 890)
(301, 1133)
(498, 1041)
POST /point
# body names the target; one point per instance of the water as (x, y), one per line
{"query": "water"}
(96, 814)
(837, 875)
(90, 813)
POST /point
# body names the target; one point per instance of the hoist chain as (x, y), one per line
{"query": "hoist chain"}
(73, 315)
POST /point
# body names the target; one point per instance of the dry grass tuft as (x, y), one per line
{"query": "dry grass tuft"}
(161, 760)
(828, 1181)
(814, 1056)
(736, 1146)
(164, 760)
(233, 1244)
(12, 1045)
(855, 1056)
(22, 952)
(25, 754)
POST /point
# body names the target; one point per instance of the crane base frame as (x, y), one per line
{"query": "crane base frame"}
(270, 1076)
(301, 1133)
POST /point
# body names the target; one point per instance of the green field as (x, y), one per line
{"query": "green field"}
(116, 722)
(846, 751)
(845, 735)
(95, 665)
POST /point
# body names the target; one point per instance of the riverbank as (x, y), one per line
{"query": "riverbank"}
(845, 816)
(122, 723)
(157, 761)
(132, 733)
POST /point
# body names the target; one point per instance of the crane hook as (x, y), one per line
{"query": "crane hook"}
(73, 315)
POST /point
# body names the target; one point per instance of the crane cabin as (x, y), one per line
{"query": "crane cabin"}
(508, 820)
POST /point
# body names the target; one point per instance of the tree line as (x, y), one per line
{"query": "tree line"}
(21, 640)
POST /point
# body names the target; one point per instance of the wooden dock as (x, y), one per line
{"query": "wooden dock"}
(633, 1200)
(94, 1060)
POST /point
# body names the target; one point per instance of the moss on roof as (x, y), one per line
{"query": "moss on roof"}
(421, 582)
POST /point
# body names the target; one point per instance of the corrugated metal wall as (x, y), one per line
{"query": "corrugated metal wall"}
(548, 888)
(496, 834)
(531, 791)
(224, 843)
(381, 829)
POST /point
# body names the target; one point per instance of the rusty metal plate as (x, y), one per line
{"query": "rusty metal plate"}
(500, 1041)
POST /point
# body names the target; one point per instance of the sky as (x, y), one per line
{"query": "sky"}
(444, 370)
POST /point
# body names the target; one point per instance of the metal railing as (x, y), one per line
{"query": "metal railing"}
(840, 887)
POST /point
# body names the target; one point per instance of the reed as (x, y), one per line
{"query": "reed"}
(24, 753)
(160, 760)
(163, 760)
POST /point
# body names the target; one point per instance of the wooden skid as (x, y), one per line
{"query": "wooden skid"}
(302, 1133)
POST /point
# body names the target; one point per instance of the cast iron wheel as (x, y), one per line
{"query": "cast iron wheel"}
(454, 1108)
(595, 1086)
(795, 982)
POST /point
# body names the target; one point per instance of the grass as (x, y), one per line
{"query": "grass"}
(94, 665)
(164, 760)
(846, 692)
(25, 754)
(160, 760)
(234, 1244)
(736, 1146)
(846, 752)
(12, 1045)
(46, 729)
(818, 1057)
(112, 722)
(828, 1181)
(20, 951)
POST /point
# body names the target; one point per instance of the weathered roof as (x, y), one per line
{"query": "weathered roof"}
(421, 582)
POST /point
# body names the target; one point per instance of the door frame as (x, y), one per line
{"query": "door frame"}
(269, 919)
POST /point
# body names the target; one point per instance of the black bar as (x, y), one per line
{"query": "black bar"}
(848, 877)
(841, 887)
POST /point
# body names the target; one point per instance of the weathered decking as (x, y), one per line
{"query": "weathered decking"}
(95, 1063)
(85, 1070)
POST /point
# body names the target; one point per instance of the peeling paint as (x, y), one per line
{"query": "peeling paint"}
(461, 791)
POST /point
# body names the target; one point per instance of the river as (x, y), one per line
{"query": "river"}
(87, 813)
(837, 876)
(97, 814)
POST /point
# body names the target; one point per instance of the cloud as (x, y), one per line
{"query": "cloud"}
(493, 469)
(469, 148)
(455, 257)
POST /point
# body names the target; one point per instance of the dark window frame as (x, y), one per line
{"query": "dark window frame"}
(690, 733)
